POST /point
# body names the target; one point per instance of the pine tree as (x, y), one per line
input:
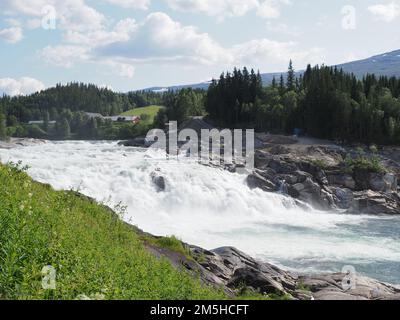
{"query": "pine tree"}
(291, 77)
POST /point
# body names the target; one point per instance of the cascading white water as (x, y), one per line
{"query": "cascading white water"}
(210, 207)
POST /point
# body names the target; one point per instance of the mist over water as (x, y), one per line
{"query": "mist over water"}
(211, 208)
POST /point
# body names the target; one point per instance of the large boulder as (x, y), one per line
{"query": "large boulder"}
(344, 198)
(371, 202)
(256, 180)
(311, 193)
(383, 182)
(159, 181)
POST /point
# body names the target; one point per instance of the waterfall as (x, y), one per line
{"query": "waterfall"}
(212, 207)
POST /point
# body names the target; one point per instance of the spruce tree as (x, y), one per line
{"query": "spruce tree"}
(291, 77)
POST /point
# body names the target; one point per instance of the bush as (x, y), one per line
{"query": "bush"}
(362, 162)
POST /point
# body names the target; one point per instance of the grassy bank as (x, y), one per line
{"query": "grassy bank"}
(93, 252)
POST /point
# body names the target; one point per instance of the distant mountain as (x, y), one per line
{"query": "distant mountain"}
(387, 64)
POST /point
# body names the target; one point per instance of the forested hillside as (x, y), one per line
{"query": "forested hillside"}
(325, 102)
(62, 111)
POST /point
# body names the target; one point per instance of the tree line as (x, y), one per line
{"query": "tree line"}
(66, 106)
(323, 102)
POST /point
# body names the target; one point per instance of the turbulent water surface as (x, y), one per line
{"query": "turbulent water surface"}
(212, 208)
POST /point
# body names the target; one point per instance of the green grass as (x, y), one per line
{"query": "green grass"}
(171, 243)
(93, 252)
(150, 111)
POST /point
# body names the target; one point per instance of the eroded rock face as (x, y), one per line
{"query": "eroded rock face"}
(371, 202)
(318, 177)
(235, 271)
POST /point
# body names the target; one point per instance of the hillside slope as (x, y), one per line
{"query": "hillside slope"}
(94, 253)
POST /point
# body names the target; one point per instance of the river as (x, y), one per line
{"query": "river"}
(210, 208)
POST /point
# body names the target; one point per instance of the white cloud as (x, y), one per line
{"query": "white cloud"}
(282, 28)
(64, 55)
(268, 9)
(275, 55)
(385, 12)
(11, 35)
(271, 9)
(136, 4)
(159, 38)
(122, 31)
(21, 86)
(71, 14)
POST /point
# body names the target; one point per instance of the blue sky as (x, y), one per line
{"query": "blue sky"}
(133, 44)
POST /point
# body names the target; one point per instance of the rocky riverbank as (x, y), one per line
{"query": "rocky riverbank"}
(330, 177)
(238, 274)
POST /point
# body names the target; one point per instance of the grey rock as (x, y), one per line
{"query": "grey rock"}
(158, 181)
(341, 179)
(371, 202)
(255, 180)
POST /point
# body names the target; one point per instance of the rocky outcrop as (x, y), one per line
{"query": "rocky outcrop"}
(319, 177)
(237, 273)
(371, 202)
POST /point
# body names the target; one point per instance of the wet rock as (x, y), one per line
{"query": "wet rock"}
(383, 182)
(158, 181)
(371, 202)
(344, 198)
(255, 180)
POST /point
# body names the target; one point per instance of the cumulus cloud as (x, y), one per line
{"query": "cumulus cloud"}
(268, 9)
(11, 35)
(64, 55)
(161, 38)
(21, 86)
(219, 8)
(136, 4)
(271, 9)
(385, 12)
(274, 54)
(71, 14)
